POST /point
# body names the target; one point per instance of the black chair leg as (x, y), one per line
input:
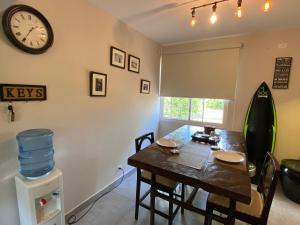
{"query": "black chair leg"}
(182, 197)
(208, 220)
(137, 198)
(170, 209)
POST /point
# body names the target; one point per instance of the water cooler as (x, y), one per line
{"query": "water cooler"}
(40, 201)
(39, 185)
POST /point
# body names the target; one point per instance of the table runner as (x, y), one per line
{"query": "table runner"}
(192, 155)
(195, 155)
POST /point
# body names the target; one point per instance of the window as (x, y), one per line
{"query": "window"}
(195, 109)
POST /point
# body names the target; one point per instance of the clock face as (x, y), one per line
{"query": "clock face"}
(27, 29)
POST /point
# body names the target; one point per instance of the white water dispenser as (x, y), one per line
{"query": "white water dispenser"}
(40, 201)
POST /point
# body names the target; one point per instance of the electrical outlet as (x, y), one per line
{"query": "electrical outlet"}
(283, 45)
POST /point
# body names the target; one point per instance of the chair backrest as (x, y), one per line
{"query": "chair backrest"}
(268, 181)
(140, 140)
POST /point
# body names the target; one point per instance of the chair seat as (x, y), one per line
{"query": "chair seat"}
(255, 207)
(159, 179)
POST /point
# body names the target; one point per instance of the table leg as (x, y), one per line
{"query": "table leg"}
(231, 216)
(152, 200)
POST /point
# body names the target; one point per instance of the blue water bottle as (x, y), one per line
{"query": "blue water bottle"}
(35, 152)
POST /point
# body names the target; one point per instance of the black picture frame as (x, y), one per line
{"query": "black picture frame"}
(134, 64)
(145, 86)
(282, 71)
(6, 22)
(4, 98)
(98, 84)
(115, 58)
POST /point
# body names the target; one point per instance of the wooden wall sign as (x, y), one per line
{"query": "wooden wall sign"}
(282, 72)
(21, 92)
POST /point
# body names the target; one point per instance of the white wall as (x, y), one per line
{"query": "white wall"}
(256, 64)
(91, 135)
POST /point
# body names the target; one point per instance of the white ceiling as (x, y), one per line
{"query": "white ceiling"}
(167, 21)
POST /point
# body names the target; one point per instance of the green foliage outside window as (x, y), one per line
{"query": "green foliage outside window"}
(214, 104)
(176, 108)
(197, 109)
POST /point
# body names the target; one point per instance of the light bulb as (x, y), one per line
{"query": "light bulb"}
(213, 18)
(267, 6)
(239, 12)
(239, 9)
(193, 21)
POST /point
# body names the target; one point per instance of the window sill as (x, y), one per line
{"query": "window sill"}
(191, 122)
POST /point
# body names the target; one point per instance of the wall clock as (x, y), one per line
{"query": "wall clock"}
(27, 29)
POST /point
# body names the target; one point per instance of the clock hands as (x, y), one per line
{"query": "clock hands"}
(25, 38)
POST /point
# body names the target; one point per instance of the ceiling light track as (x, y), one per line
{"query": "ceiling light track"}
(208, 4)
(214, 17)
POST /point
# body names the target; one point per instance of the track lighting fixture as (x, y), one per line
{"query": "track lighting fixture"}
(214, 18)
(193, 19)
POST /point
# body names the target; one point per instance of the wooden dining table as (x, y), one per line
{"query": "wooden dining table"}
(196, 166)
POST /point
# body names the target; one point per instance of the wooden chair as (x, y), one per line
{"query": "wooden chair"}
(163, 184)
(257, 212)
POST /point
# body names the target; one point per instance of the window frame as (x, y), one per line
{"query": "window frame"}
(194, 122)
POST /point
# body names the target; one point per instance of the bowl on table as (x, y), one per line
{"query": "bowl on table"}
(208, 129)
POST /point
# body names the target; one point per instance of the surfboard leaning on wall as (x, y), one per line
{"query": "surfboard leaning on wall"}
(260, 126)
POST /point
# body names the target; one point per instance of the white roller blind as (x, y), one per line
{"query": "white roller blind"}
(200, 74)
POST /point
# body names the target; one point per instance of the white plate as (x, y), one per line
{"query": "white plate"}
(229, 156)
(167, 143)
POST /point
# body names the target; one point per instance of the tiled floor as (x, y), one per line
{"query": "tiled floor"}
(117, 208)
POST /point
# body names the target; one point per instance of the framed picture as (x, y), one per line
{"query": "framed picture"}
(282, 72)
(133, 64)
(145, 86)
(98, 84)
(117, 57)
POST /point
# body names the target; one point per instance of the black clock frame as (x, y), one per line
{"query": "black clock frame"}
(9, 12)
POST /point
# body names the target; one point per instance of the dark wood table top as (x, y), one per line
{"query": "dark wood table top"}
(230, 180)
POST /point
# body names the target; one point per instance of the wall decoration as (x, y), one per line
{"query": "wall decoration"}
(133, 64)
(145, 86)
(98, 84)
(282, 72)
(27, 29)
(117, 57)
(22, 92)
